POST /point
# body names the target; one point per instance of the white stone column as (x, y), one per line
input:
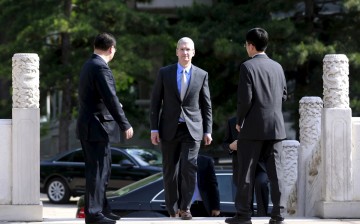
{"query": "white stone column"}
(289, 174)
(25, 159)
(5, 164)
(337, 192)
(356, 157)
(310, 131)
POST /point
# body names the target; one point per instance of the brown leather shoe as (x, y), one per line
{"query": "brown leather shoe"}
(185, 215)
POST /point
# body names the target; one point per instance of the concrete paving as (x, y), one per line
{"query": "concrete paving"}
(65, 214)
(197, 221)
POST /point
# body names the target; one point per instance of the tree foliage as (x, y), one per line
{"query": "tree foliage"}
(61, 33)
(301, 34)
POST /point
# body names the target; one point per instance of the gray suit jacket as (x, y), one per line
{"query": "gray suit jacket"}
(261, 91)
(100, 113)
(166, 104)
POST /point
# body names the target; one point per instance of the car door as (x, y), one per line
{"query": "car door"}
(158, 202)
(124, 170)
(227, 192)
(73, 169)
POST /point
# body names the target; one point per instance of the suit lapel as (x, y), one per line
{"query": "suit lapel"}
(192, 80)
(173, 80)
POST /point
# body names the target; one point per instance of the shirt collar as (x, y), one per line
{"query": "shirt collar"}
(181, 68)
(261, 53)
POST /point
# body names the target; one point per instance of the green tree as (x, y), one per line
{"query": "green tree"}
(301, 34)
(61, 33)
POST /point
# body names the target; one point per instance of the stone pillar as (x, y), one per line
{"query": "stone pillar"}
(336, 185)
(25, 159)
(356, 157)
(5, 164)
(310, 132)
(289, 173)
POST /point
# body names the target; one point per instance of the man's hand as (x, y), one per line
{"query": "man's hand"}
(207, 139)
(129, 133)
(155, 138)
(233, 146)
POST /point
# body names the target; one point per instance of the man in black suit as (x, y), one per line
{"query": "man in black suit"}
(100, 117)
(260, 123)
(261, 179)
(181, 116)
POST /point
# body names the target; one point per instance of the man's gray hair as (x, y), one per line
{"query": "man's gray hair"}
(185, 40)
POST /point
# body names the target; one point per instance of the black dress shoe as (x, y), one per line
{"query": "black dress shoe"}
(112, 216)
(276, 221)
(101, 221)
(238, 220)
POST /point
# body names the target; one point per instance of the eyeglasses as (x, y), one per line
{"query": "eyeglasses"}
(184, 49)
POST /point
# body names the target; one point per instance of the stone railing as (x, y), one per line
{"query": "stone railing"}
(20, 145)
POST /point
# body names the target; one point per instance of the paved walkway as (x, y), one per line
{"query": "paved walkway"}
(196, 221)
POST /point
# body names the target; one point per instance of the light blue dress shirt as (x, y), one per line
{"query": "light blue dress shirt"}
(179, 74)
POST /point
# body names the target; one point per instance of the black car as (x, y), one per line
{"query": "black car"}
(64, 175)
(145, 198)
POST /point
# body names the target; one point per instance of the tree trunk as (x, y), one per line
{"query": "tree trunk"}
(309, 14)
(67, 88)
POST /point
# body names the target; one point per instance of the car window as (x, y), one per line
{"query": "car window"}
(117, 157)
(146, 157)
(225, 185)
(76, 156)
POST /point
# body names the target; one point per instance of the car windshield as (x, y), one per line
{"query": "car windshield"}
(135, 185)
(146, 157)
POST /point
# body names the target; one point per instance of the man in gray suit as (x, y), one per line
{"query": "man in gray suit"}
(181, 116)
(100, 117)
(260, 123)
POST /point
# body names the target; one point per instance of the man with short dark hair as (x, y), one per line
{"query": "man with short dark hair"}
(100, 117)
(260, 123)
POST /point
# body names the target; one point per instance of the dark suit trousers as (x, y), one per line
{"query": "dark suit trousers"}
(249, 152)
(261, 192)
(185, 147)
(97, 172)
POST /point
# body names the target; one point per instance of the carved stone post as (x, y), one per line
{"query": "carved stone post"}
(310, 135)
(337, 191)
(25, 135)
(289, 173)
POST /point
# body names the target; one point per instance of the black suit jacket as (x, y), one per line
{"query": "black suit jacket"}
(261, 91)
(166, 104)
(100, 113)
